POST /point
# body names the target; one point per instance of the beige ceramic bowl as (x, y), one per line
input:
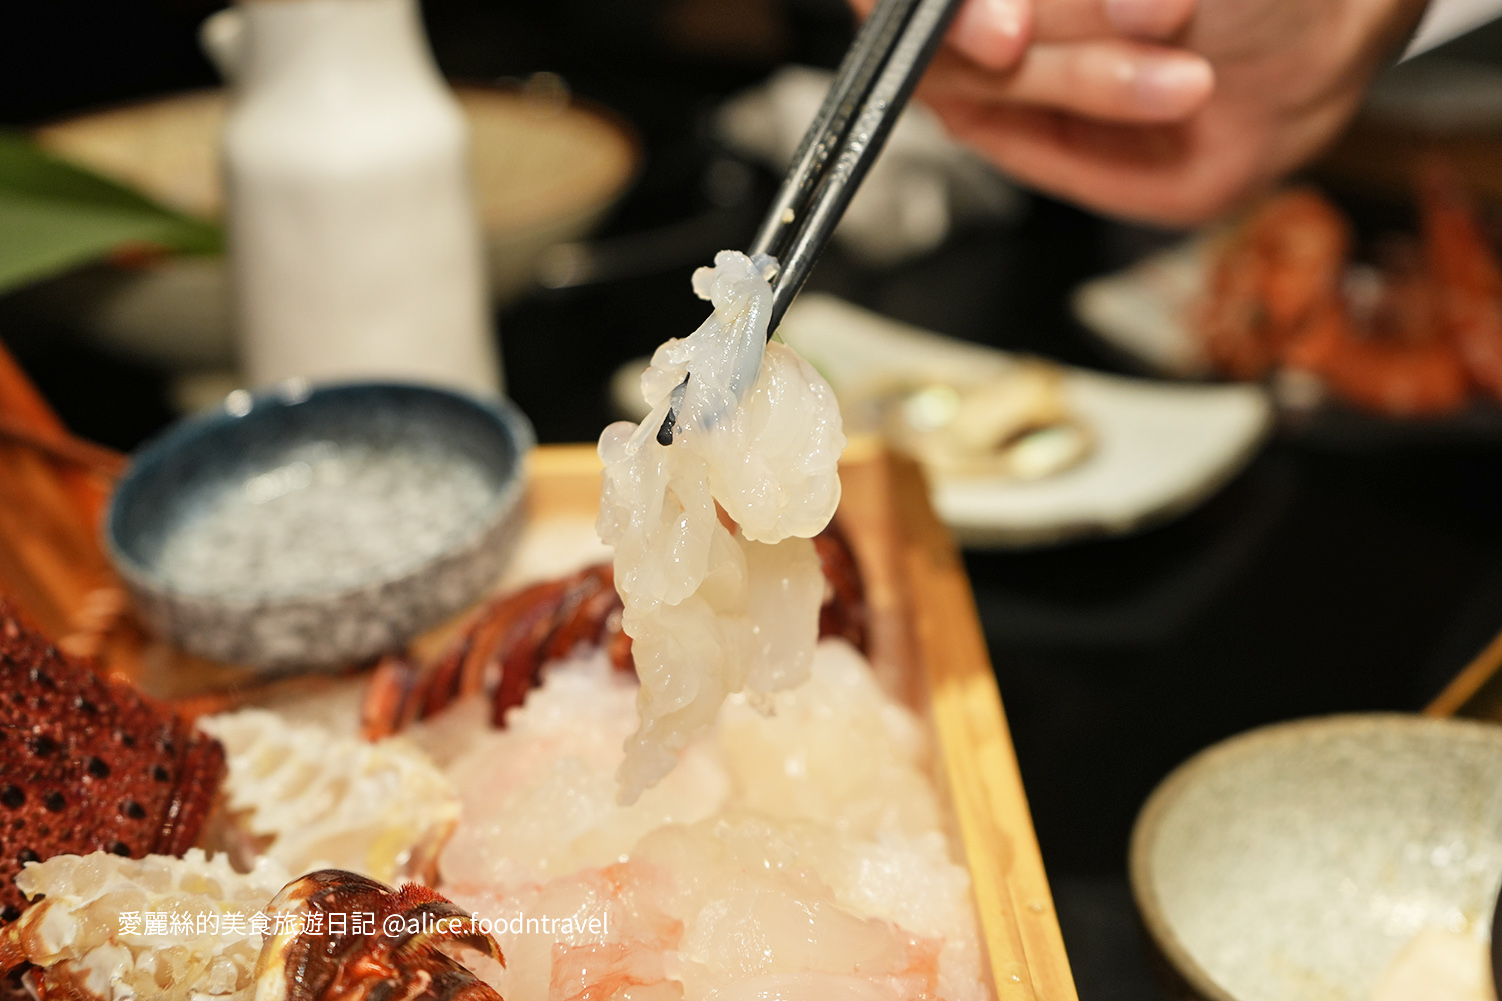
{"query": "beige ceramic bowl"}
(1293, 862)
(545, 171)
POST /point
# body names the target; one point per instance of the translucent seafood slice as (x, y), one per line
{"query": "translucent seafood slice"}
(156, 927)
(596, 933)
(697, 909)
(712, 610)
(539, 797)
(752, 905)
(826, 797)
(312, 800)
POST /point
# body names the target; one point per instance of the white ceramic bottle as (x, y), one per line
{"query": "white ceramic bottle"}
(354, 245)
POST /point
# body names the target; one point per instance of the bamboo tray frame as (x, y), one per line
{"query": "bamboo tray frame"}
(927, 645)
(926, 641)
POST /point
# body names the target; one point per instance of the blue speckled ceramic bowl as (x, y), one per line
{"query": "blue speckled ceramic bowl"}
(259, 446)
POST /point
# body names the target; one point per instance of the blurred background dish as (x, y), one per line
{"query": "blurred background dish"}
(1322, 859)
(1391, 330)
(1058, 453)
(308, 527)
(1008, 425)
(546, 169)
(1145, 451)
(1142, 312)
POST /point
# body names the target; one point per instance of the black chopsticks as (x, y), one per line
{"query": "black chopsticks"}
(870, 90)
(869, 93)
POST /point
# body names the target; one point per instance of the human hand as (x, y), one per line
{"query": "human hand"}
(1103, 59)
(1164, 110)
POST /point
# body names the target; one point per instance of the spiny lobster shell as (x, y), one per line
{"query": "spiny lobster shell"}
(90, 765)
(505, 647)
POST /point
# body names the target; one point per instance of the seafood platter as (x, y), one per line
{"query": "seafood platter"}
(748, 747)
(1406, 331)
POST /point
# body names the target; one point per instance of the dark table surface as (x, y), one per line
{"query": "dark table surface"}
(1327, 577)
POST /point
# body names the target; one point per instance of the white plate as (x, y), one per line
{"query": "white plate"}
(1159, 448)
(1142, 311)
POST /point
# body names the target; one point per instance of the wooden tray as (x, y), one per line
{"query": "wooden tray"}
(927, 646)
(926, 642)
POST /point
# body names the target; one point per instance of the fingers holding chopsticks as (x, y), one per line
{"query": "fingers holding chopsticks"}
(1084, 20)
(1111, 80)
(1102, 59)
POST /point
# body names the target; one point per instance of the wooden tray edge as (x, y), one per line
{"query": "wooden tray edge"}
(1018, 920)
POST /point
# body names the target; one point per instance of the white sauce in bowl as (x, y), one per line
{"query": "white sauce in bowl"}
(329, 516)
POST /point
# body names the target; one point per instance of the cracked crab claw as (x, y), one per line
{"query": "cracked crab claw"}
(314, 800)
(339, 935)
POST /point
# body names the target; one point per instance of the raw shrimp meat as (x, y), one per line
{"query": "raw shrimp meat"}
(698, 909)
(627, 946)
(753, 903)
(539, 797)
(713, 609)
(800, 849)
